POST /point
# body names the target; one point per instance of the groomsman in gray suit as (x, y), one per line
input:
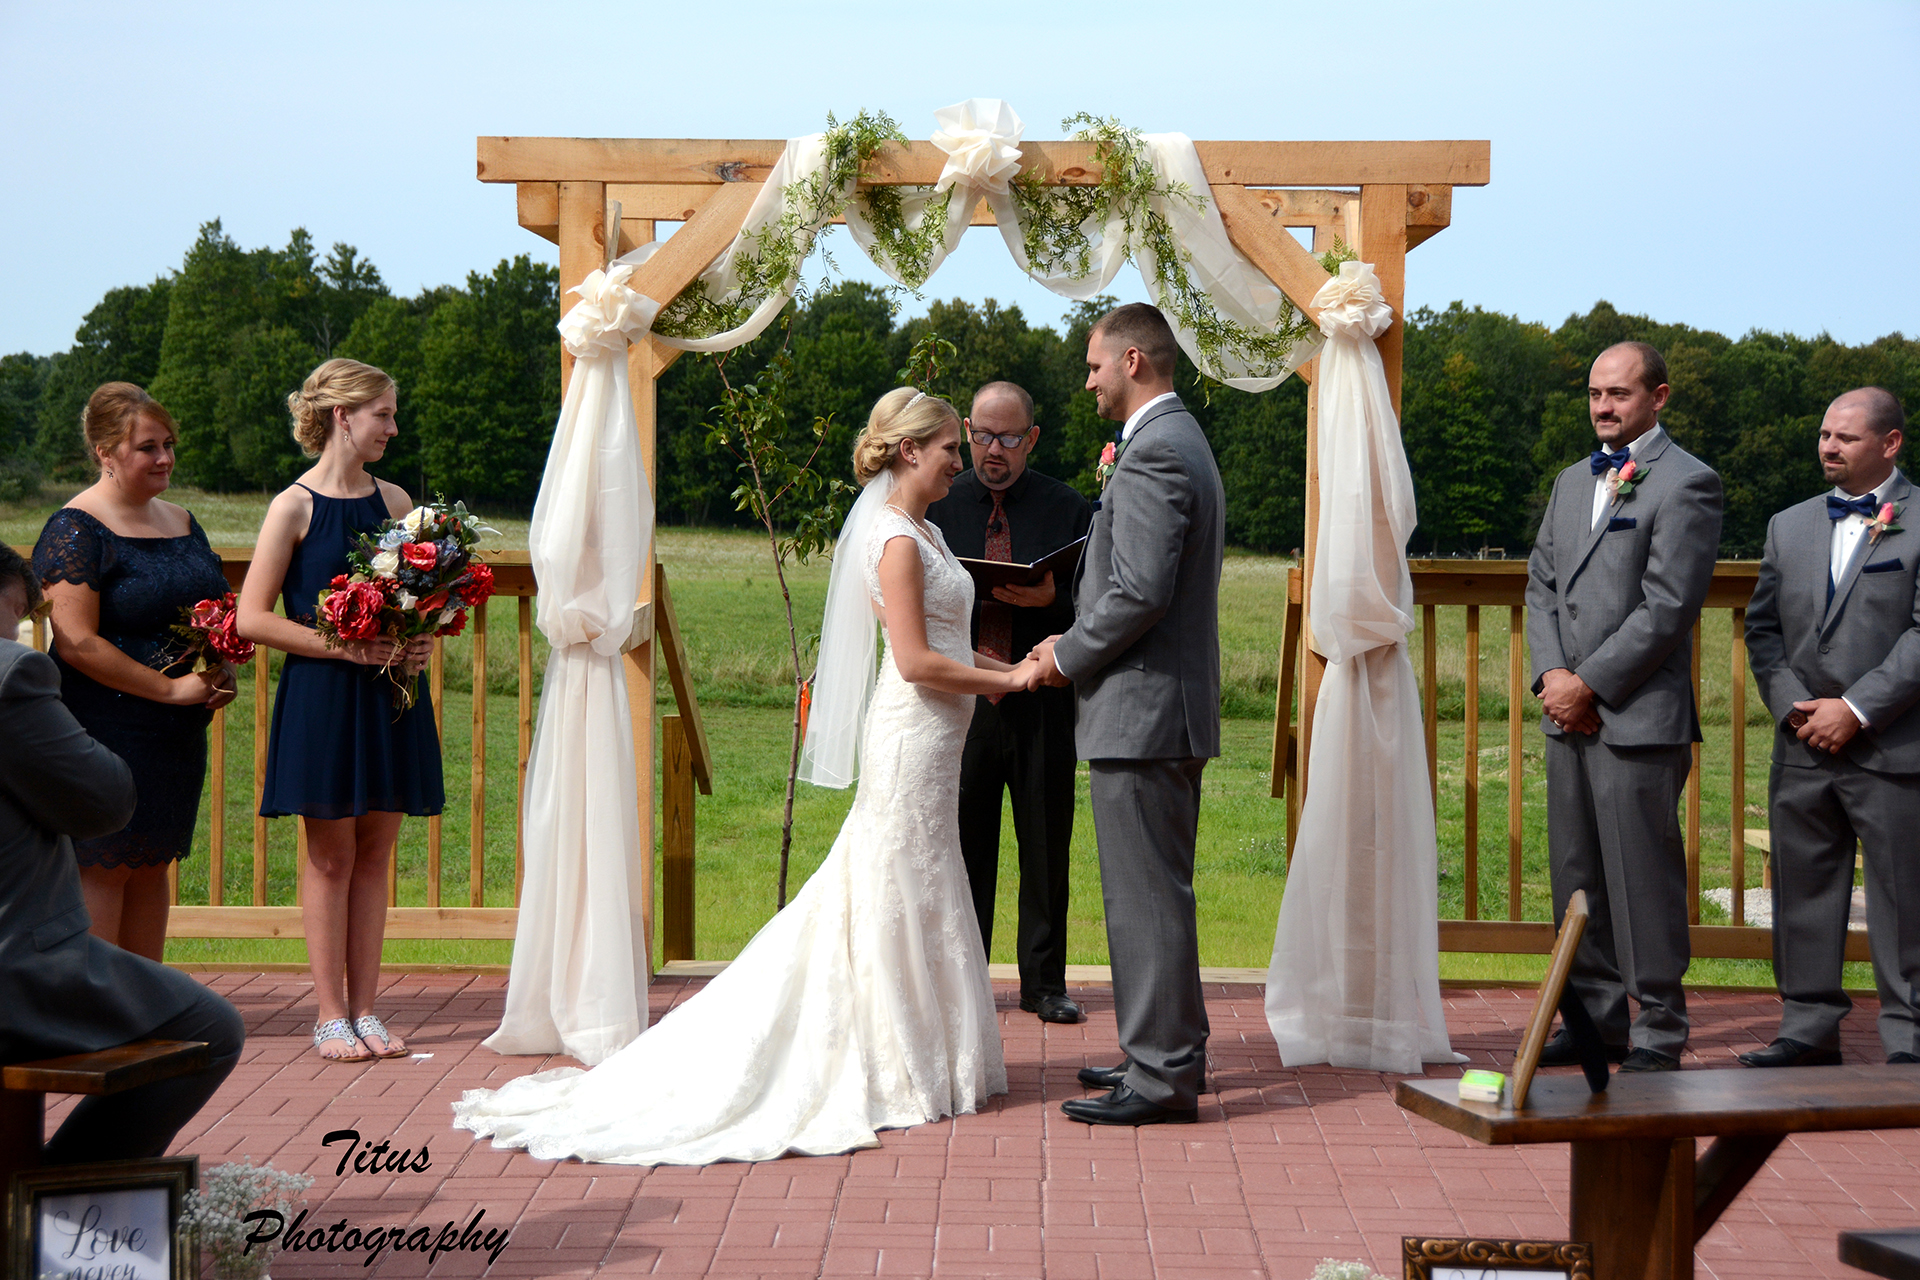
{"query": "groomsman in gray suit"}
(1617, 577)
(1144, 657)
(1833, 636)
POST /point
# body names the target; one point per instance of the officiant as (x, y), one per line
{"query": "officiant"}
(1020, 744)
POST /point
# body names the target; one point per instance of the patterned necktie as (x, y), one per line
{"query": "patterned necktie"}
(996, 619)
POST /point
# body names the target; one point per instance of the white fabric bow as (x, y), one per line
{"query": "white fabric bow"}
(1352, 304)
(981, 137)
(608, 313)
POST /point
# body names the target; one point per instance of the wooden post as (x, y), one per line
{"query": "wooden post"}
(1516, 669)
(1737, 801)
(1470, 768)
(676, 841)
(525, 724)
(1383, 242)
(262, 714)
(217, 811)
(437, 686)
(477, 793)
(643, 374)
(1430, 672)
(1693, 799)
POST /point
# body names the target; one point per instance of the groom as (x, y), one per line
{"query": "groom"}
(1144, 657)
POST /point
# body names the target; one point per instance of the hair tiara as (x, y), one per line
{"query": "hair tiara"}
(918, 396)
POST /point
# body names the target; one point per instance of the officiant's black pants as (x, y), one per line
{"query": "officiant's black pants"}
(1022, 748)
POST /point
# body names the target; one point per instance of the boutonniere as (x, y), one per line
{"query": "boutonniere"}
(1883, 523)
(1627, 477)
(1109, 457)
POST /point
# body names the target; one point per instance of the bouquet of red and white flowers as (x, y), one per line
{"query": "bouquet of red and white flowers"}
(208, 628)
(414, 576)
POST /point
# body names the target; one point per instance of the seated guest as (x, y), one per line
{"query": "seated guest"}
(1018, 743)
(62, 990)
(1834, 644)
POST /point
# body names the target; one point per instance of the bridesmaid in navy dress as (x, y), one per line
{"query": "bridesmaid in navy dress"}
(340, 755)
(119, 564)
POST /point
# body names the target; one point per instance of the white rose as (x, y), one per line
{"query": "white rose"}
(415, 520)
(405, 599)
(387, 563)
(446, 615)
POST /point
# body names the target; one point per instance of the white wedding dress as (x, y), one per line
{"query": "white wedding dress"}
(864, 1005)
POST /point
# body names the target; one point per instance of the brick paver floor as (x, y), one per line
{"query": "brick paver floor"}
(1286, 1167)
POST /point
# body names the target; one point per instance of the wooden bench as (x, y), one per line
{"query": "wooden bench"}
(24, 1087)
(1637, 1192)
(1895, 1254)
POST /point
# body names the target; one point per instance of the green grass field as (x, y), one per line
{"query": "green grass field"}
(728, 604)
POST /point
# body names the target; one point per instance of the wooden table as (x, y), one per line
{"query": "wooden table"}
(1637, 1192)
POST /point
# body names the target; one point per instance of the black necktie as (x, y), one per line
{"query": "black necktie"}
(1604, 462)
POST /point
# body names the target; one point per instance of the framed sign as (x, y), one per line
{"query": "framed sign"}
(1428, 1258)
(116, 1220)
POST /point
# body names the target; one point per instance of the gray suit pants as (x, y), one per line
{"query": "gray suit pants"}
(1613, 829)
(1146, 814)
(1816, 816)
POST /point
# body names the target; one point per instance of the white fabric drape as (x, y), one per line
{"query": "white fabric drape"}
(580, 967)
(1355, 977)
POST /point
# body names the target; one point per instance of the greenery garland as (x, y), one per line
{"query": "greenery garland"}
(1054, 225)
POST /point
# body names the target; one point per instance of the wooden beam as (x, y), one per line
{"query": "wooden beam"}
(284, 922)
(1429, 212)
(1383, 242)
(1254, 226)
(671, 647)
(583, 216)
(709, 161)
(689, 250)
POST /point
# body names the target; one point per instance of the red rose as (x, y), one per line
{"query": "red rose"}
(421, 555)
(227, 641)
(455, 627)
(339, 580)
(477, 585)
(354, 610)
(208, 613)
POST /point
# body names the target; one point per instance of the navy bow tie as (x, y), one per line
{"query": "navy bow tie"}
(1839, 508)
(1604, 462)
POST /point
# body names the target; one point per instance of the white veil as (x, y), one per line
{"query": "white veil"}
(849, 635)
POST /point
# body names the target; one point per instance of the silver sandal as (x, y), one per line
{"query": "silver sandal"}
(366, 1025)
(340, 1029)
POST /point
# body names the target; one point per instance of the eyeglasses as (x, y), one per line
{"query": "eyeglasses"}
(986, 438)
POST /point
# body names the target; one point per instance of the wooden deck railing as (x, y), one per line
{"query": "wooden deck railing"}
(1475, 585)
(685, 753)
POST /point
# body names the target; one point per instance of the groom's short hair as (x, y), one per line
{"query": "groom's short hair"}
(1653, 365)
(1142, 327)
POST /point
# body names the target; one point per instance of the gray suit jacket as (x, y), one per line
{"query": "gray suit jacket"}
(1144, 651)
(62, 990)
(1615, 602)
(1865, 645)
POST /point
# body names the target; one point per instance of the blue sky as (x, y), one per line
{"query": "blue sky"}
(1733, 166)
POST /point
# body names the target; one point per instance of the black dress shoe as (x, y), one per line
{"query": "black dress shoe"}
(1124, 1106)
(1560, 1051)
(1902, 1059)
(1648, 1060)
(1790, 1053)
(1060, 1008)
(1114, 1077)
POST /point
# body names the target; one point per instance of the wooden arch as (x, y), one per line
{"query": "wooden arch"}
(1382, 198)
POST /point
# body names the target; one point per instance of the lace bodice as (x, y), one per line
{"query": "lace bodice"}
(947, 598)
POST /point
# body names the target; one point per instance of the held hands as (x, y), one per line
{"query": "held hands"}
(418, 652)
(224, 682)
(1568, 701)
(1045, 669)
(381, 652)
(1038, 596)
(199, 689)
(1020, 676)
(1826, 724)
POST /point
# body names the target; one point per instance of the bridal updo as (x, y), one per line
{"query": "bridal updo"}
(347, 384)
(113, 411)
(901, 414)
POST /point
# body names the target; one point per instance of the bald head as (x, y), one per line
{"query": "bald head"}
(1860, 437)
(1879, 409)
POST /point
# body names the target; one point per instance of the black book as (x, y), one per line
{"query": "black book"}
(988, 574)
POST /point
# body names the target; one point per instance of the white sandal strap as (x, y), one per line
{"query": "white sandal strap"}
(337, 1029)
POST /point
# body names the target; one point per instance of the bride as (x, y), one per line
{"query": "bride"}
(865, 1004)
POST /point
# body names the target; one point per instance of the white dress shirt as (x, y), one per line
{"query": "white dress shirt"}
(1602, 491)
(1133, 419)
(1846, 538)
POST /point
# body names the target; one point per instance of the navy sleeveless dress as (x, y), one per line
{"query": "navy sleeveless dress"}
(144, 583)
(339, 747)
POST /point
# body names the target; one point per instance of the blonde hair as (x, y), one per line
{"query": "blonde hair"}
(346, 384)
(901, 414)
(110, 415)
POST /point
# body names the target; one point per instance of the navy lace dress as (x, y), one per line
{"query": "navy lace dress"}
(339, 747)
(143, 584)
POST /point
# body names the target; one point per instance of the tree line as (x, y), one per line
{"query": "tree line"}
(1493, 406)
